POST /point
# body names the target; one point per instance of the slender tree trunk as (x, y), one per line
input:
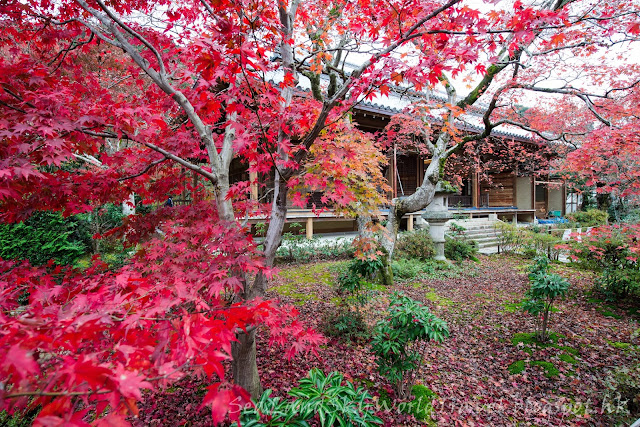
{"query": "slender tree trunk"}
(245, 369)
(417, 201)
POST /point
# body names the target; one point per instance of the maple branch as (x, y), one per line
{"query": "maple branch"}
(210, 175)
(13, 107)
(584, 97)
(562, 136)
(90, 159)
(72, 46)
(129, 30)
(559, 48)
(328, 105)
(160, 79)
(208, 7)
(145, 170)
(117, 82)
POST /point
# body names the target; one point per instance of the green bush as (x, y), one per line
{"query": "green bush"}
(619, 281)
(43, 237)
(530, 242)
(408, 268)
(621, 400)
(545, 289)
(329, 399)
(590, 218)
(400, 340)
(415, 245)
(458, 249)
(19, 418)
(303, 250)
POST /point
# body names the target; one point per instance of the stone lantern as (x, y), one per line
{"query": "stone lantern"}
(437, 214)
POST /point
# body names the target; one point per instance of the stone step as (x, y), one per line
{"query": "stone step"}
(481, 231)
(488, 244)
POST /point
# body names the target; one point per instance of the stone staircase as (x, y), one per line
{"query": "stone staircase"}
(481, 230)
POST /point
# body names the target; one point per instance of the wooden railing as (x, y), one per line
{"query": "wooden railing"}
(456, 200)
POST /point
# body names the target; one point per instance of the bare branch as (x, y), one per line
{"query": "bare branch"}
(145, 170)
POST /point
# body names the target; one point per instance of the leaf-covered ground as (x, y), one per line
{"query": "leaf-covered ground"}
(487, 373)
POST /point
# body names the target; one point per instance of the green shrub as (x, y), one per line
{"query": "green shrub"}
(619, 281)
(408, 268)
(43, 237)
(621, 400)
(529, 242)
(589, 218)
(297, 249)
(400, 340)
(329, 399)
(545, 289)
(98, 222)
(415, 245)
(460, 249)
(19, 418)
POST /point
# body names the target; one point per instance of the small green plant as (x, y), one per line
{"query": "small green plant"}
(545, 289)
(355, 283)
(261, 228)
(456, 229)
(328, 399)
(621, 400)
(589, 218)
(459, 249)
(408, 268)
(400, 340)
(415, 245)
(619, 281)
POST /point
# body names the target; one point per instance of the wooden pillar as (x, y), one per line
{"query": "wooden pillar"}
(253, 179)
(564, 198)
(475, 190)
(533, 192)
(515, 188)
(394, 175)
(410, 223)
(310, 228)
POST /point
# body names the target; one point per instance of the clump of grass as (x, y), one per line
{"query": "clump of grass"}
(567, 358)
(435, 298)
(620, 345)
(516, 367)
(529, 338)
(549, 368)
(421, 406)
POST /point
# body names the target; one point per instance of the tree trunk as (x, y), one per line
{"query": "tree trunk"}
(417, 201)
(245, 367)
